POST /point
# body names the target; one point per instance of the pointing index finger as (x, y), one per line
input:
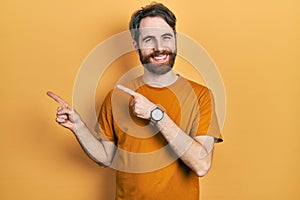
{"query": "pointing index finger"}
(57, 99)
(126, 90)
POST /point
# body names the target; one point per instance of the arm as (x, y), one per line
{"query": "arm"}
(196, 152)
(100, 151)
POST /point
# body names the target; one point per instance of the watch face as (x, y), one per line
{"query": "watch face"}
(157, 114)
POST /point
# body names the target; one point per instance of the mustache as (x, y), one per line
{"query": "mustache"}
(162, 52)
(145, 59)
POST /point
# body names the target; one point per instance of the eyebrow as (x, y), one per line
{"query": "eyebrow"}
(167, 34)
(152, 37)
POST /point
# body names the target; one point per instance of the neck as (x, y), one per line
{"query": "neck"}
(159, 80)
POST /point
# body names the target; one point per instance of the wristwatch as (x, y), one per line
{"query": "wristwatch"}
(156, 115)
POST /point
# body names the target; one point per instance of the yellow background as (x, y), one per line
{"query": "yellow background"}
(255, 45)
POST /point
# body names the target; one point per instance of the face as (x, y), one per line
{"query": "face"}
(157, 45)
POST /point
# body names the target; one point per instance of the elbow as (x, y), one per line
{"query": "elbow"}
(201, 173)
(101, 162)
(104, 164)
(203, 170)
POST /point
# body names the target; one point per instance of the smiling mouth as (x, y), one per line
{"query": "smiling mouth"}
(161, 58)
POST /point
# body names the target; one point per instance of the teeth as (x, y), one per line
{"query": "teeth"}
(161, 57)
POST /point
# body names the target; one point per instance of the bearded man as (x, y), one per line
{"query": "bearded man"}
(157, 130)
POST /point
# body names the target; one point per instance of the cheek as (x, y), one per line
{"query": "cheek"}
(145, 52)
(171, 46)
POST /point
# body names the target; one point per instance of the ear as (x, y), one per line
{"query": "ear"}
(136, 46)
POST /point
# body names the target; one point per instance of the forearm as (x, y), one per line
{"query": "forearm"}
(191, 151)
(101, 152)
(194, 154)
(92, 146)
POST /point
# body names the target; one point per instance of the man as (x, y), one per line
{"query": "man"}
(159, 129)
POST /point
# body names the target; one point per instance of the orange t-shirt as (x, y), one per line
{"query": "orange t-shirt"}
(147, 168)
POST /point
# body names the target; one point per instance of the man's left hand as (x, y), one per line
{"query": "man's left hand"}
(141, 106)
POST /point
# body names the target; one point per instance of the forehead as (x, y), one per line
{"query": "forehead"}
(154, 25)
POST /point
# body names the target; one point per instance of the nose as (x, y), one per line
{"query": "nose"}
(158, 46)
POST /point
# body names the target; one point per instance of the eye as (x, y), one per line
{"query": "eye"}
(148, 40)
(167, 37)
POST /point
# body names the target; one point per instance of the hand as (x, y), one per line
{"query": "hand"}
(141, 106)
(66, 116)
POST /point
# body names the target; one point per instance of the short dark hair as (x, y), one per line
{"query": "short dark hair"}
(152, 10)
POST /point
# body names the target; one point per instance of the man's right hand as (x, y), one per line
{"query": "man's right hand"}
(66, 116)
(100, 151)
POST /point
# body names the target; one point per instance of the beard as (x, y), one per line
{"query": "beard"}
(158, 68)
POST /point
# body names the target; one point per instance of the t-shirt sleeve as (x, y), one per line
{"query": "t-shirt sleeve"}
(206, 119)
(105, 120)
